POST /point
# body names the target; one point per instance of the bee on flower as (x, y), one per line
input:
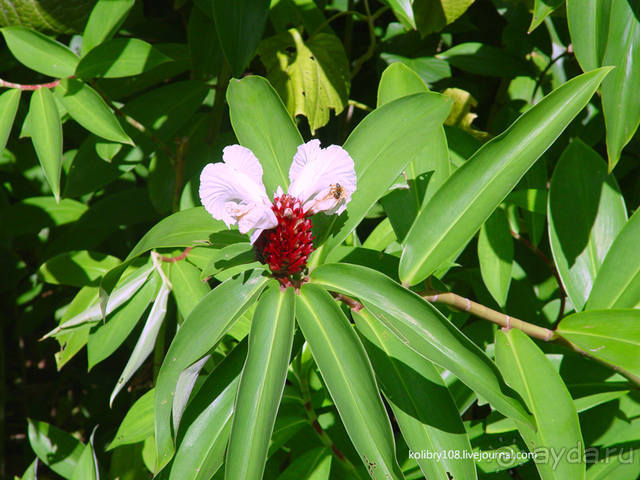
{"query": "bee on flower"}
(321, 180)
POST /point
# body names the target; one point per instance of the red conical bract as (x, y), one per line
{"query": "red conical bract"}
(287, 246)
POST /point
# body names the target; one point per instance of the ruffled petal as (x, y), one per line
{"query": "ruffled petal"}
(323, 179)
(233, 191)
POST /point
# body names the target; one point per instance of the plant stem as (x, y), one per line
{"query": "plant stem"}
(182, 145)
(21, 86)
(357, 65)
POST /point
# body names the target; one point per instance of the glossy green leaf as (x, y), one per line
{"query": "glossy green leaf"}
(589, 27)
(403, 11)
(263, 125)
(428, 170)
(458, 209)
(381, 236)
(200, 332)
(231, 260)
(381, 146)
(87, 468)
(77, 268)
(146, 341)
(424, 409)
(586, 212)
(261, 384)
(314, 79)
(541, 9)
(348, 375)
(33, 214)
(424, 329)
(206, 424)
(434, 15)
(9, 102)
(531, 374)
(89, 109)
(188, 289)
(531, 199)
(185, 228)
(610, 335)
(104, 21)
(240, 25)
(47, 136)
(481, 59)
(137, 424)
(495, 255)
(31, 473)
(56, 448)
(620, 100)
(120, 57)
(314, 464)
(617, 284)
(39, 52)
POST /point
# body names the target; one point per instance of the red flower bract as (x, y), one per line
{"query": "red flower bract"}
(287, 247)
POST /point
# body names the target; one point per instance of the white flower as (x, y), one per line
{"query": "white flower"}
(322, 179)
(233, 192)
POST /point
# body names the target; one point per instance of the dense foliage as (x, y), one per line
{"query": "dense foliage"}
(473, 313)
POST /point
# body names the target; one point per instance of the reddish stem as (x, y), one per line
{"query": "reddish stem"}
(182, 256)
(21, 86)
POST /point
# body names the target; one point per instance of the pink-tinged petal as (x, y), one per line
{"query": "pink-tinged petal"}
(323, 179)
(242, 160)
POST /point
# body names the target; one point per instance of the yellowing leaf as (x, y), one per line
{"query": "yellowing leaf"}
(434, 15)
(311, 76)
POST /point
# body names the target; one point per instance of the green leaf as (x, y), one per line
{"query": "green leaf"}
(137, 424)
(482, 59)
(620, 101)
(532, 375)
(120, 57)
(381, 147)
(261, 384)
(589, 27)
(314, 464)
(9, 102)
(33, 214)
(78, 268)
(423, 407)
(31, 473)
(617, 284)
(417, 323)
(348, 375)
(240, 25)
(87, 468)
(262, 124)
(434, 15)
(428, 170)
(542, 9)
(610, 335)
(146, 341)
(188, 289)
(104, 340)
(47, 136)
(230, 260)
(586, 212)
(495, 255)
(531, 199)
(104, 21)
(311, 77)
(458, 209)
(205, 426)
(403, 11)
(89, 109)
(200, 332)
(39, 52)
(56, 448)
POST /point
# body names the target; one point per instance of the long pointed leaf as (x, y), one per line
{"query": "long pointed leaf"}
(200, 332)
(261, 384)
(423, 328)
(349, 377)
(531, 374)
(9, 102)
(47, 136)
(423, 406)
(458, 209)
